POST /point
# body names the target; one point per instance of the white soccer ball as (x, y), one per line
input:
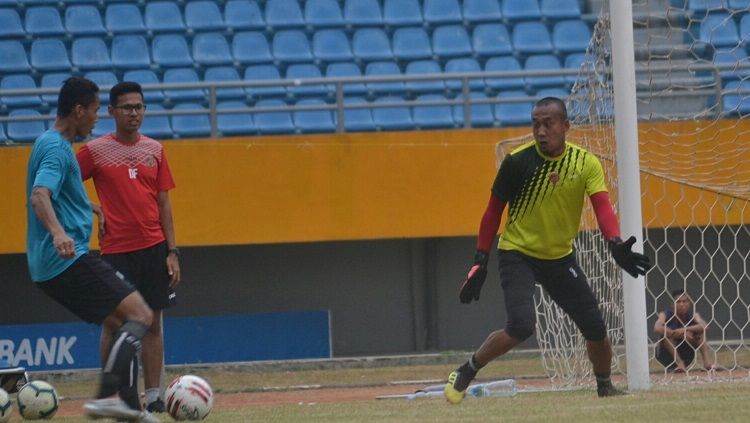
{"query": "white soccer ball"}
(37, 400)
(189, 397)
(5, 406)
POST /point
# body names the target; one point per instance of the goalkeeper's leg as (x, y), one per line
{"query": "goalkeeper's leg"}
(518, 286)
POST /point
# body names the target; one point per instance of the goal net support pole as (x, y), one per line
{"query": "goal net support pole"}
(629, 192)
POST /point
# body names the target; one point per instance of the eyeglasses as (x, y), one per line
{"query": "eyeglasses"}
(130, 108)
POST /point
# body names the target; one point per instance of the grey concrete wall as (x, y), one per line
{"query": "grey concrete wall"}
(390, 296)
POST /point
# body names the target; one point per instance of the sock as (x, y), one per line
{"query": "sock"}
(152, 394)
(603, 381)
(473, 364)
(120, 372)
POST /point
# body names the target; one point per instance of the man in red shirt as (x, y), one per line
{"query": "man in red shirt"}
(136, 235)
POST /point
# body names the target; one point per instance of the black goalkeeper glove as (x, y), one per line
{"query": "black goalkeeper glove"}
(474, 281)
(632, 262)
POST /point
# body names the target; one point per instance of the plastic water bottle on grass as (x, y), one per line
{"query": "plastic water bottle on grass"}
(500, 388)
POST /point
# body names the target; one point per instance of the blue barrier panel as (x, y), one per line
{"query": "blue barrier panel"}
(188, 340)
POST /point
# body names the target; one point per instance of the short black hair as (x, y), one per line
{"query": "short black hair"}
(677, 292)
(554, 100)
(75, 91)
(124, 87)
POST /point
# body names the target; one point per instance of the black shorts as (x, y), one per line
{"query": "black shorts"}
(90, 288)
(563, 280)
(147, 270)
(684, 350)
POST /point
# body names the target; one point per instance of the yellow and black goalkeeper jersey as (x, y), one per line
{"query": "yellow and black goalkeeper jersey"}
(545, 196)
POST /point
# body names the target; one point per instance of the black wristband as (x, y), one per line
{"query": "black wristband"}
(480, 257)
(175, 251)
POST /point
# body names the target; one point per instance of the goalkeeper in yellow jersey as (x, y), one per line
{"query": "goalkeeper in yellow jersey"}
(543, 183)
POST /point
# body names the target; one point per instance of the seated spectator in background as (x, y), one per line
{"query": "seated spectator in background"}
(681, 333)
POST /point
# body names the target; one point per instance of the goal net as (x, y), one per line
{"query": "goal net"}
(693, 100)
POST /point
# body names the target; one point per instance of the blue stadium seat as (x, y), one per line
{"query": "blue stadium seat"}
(27, 131)
(491, 40)
(49, 55)
(306, 71)
(250, 48)
(52, 80)
(423, 67)
(10, 24)
(504, 64)
(170, 51)
(411, 44)
(211, 49)
(124, 18)
(231, 124)
(734, 57)
(521, 10)
(191, 126)
(744, 29)
(243, 14)
(513, 114)
(43, 21)
(451, 41)
(144, 77)
(392, 117)
(3, 137)
(19, 82)
(204, 16)
(331, 45)
(163, 16)
(359, 13)
(736, 98)
(463, 65)
(181, 76)
(437, 12)
(90, 53)
(739, 4)
(402, 13)
(553, 92)
(264, 73)
(481, 114)
(482, 11)
(702, 6)
(225, 73)
(157, 127)
(371, 44)
(313, 121)
(431, 117)
(347, 69)
(291, 46)
(383, 69)
(719, 30)
(273, 122)
(571, 36)
(105, 124)
(560, 9)
(323, 13)
(103, 79)
(84, 20)
(130, 52)
(283, 14)
(13, 57)
(531, 38)
(543, 62)
(574, 61)
(357, 119)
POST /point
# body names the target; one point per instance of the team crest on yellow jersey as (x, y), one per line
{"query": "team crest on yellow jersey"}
(553, 177)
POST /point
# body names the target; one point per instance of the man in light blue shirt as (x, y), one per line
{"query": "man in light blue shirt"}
(59, 228)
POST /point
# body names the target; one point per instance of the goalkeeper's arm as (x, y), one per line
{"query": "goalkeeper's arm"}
(487, 231)
(633, 263)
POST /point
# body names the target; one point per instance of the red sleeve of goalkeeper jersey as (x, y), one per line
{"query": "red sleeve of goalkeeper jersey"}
(490, 223)
(605, 215)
